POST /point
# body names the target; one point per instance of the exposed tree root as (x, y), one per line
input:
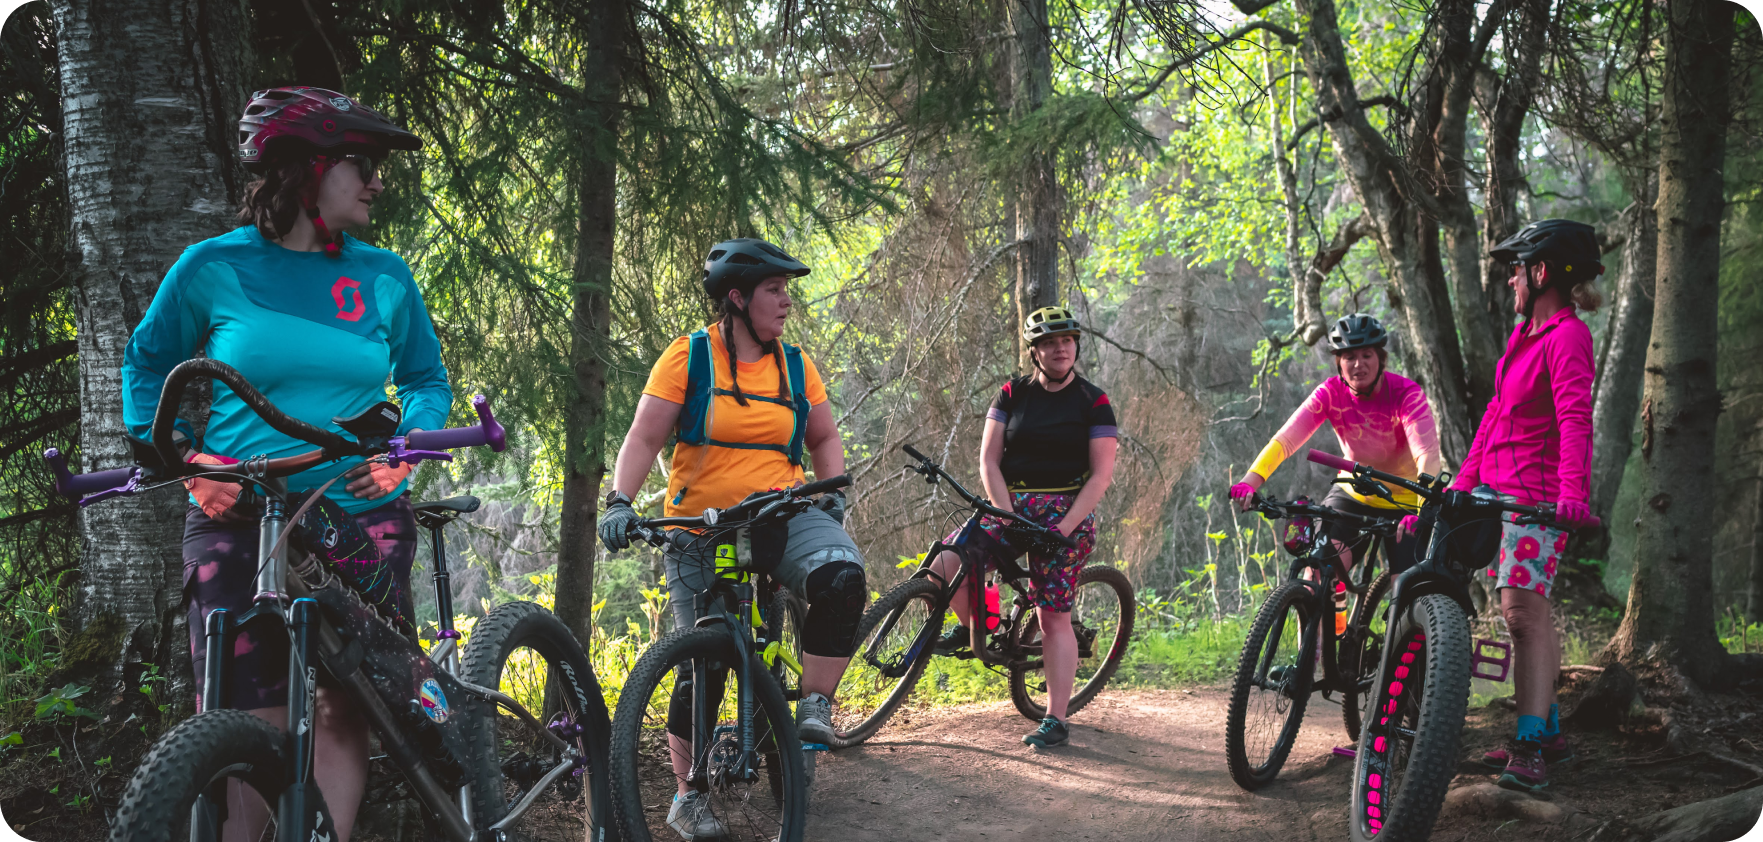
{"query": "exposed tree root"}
(1714, 820)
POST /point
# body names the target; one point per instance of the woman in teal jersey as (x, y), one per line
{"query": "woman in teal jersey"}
(318, 321)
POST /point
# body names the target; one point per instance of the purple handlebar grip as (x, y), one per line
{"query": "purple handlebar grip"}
(445, 439)
(74, 485)
(1329, 460)
(494, 435)
(486, 432)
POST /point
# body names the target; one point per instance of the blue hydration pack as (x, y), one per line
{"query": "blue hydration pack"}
(694, 417)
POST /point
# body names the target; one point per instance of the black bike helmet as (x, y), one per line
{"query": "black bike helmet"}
(743, 263)
(1357, 331)
(1568, 246)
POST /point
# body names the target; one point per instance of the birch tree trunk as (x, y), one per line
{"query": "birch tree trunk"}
(1406, 235)
(585, 416)
(151, 94)
(1670, 617)
(1038, 198)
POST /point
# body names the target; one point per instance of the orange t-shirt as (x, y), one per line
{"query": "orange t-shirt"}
(718, 477)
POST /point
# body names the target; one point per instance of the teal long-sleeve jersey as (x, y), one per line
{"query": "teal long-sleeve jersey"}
(320, 336)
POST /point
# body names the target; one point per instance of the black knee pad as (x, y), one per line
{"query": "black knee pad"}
(836, 593)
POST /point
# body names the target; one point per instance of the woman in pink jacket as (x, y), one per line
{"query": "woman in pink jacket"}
(1535, 446)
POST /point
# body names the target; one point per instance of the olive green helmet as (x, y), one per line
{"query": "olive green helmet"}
(1050, 321)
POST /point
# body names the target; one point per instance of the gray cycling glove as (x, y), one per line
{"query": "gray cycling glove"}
(615, 525)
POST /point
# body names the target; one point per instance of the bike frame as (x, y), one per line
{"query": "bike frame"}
(283, 605)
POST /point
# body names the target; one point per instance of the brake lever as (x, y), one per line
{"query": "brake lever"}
(130, 487)
(397, 454)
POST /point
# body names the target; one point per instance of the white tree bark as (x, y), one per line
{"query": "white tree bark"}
(150, 95)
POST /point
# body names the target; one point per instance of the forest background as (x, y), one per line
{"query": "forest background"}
(1194, 179)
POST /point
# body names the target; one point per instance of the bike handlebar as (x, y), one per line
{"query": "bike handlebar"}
(1543, 513)
(74, 485)
(760, 505)
(1271, 508)
(485, 432)
(1330, 460)
(104, 484)
(933, 472)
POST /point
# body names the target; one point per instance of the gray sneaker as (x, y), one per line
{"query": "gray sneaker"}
(691, 817)
(814, 719)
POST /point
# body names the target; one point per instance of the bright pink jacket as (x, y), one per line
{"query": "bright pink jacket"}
(1535, 441)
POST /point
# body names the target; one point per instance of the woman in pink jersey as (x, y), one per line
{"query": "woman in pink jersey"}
(1534, 446)
(1382, 420)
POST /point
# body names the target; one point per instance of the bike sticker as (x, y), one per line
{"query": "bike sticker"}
(434, 702)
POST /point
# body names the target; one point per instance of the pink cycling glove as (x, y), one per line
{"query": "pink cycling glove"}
(1241, 490)
(1410, 524)
(1573, 514)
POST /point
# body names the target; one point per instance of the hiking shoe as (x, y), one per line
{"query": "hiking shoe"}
(814, 719)
(1525, 769)
(952, 641)
(690, 816)
(1051, 733)
(1556, 752)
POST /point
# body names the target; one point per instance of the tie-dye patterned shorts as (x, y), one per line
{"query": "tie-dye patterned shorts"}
(220, 571)
(1053, 577)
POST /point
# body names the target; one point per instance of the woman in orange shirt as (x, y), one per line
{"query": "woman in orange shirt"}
(750, 441)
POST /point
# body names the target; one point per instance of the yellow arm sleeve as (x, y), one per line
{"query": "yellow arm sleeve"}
(1268, 462)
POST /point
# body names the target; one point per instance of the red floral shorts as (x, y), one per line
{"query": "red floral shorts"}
(1529, 556)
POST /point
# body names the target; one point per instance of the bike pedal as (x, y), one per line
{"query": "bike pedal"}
(793, 695)
(1503, 661)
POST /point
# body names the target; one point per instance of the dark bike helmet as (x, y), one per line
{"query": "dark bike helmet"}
(1050, 321)
(743, 263)
(324, 120)
(1568, 246)
(1357, 331)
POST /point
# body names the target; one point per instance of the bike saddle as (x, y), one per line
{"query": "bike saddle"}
(440, 512)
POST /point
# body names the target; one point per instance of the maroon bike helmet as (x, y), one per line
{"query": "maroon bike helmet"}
(324, 120)
(280, 122)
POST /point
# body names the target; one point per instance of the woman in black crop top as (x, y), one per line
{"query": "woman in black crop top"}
(1048, 449)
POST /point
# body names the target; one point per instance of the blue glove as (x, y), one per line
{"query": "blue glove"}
(833, 503)
(615, 525)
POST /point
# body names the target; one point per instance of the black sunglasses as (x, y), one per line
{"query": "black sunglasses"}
(367, 165)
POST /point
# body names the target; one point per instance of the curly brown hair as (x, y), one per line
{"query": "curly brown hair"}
(272, 202)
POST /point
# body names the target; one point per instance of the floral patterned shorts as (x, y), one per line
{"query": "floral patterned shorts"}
(1529, 556)
(1053, 578)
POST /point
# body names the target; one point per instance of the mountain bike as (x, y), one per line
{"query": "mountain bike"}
(897, 632)
(435, 714)
(746, 758)
(1407, 751)
(1294, 631)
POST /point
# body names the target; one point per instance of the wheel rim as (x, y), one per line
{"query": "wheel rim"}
(865, 687)
(750, 808)
(536, 683)
(1389, 734)
(1271, 692)
(1099, 624)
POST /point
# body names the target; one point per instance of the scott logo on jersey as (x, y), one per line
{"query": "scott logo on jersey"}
(348, 313)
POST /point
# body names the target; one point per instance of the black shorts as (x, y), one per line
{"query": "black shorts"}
(220, 571)
(1403, 555)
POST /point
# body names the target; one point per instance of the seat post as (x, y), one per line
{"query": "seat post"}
(443, 590)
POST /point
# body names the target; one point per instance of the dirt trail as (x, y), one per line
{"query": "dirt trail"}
(1141, 765)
